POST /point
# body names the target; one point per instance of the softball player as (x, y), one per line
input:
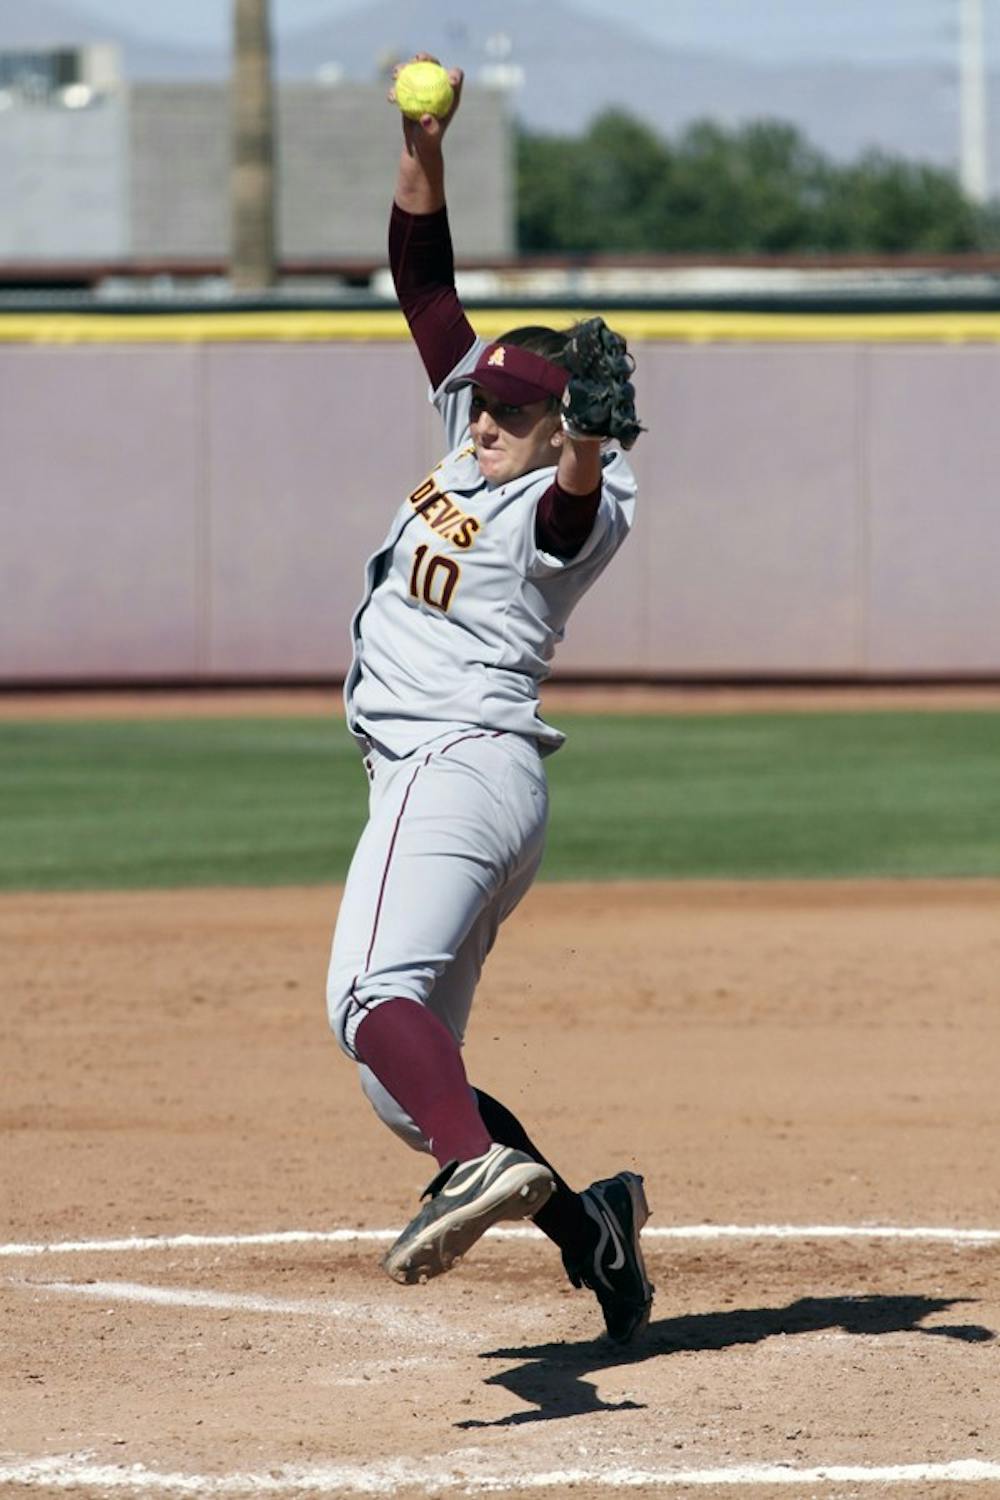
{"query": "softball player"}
(463, 605)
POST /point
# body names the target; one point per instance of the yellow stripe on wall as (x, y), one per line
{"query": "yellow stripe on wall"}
(636, 324)
(199, 328)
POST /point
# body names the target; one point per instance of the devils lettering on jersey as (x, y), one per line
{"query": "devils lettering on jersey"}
(442, 516)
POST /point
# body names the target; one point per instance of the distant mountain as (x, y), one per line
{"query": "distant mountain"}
(573, 65)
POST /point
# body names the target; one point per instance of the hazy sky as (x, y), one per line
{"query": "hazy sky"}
(877, 30)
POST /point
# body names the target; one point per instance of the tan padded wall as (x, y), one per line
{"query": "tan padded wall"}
(204, 511)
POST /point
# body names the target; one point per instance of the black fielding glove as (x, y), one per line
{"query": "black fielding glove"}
(599, 401)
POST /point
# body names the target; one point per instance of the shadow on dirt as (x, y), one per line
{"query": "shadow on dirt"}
(551, 1376)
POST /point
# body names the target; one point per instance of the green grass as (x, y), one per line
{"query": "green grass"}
(281, 801)
(774, 795)
(177, 802)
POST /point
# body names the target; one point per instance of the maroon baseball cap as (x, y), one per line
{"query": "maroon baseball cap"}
(514, 374)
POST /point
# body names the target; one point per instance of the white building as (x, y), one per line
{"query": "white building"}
(92, 168)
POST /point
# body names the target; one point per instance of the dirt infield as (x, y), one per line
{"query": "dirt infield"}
(822, 1057)
(597, 697)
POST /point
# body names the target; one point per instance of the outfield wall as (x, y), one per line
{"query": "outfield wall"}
(193, 499)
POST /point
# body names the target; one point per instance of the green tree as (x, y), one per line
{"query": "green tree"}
(627, 174)
(604, 191)
(880, 204)
(549, 211)
(753, 191)
(761, 189)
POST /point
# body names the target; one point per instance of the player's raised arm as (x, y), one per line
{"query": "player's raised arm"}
(420, 251)
(420, 90)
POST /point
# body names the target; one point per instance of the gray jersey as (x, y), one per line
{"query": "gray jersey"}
(462, 611)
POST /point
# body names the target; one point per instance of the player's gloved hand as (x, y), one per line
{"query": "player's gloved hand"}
(599, 400)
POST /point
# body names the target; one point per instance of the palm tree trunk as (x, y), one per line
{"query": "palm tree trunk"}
(253, 249)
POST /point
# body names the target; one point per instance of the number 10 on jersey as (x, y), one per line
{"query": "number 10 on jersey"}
(435, 582)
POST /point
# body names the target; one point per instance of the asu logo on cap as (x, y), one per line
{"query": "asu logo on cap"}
(514, 375)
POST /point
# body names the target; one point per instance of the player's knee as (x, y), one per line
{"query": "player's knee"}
(349, 1003)
(391, 1113)
(338, 1010)
(345, 1010)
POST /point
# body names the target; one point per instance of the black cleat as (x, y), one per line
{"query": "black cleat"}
(615, 1270)
(463, 1201)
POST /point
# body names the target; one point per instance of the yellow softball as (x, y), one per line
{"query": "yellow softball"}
(423, 88)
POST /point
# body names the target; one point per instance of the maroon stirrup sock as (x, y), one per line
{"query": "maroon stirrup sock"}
(417, 1060)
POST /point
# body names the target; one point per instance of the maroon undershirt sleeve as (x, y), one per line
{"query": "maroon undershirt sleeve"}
(563, 521)
(423, 270)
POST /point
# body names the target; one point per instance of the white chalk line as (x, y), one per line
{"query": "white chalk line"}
(391, 1320)
(941, 1234)
(77, 1471)
(131, 1291)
